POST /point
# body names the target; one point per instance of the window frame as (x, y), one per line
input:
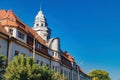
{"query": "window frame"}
(11, 31)
(21, 35)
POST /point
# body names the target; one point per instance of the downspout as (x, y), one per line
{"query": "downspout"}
(8, 50)
(50, 62)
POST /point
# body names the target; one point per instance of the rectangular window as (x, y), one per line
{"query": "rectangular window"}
(16, 53)
(53, 67)
(38, 45)
(56, 54)
(37, 61)
(70, 77)
(41, 63)
(11, 31)
(61, 71)
(21, 35)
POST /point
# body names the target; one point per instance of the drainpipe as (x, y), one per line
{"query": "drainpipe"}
(8, 50)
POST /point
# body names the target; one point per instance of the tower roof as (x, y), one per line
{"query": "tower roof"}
(41, 18)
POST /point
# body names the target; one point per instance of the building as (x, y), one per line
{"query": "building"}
(18, 38)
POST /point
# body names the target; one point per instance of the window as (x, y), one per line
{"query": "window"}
(37, 25)
(21, 35)
(56, 54)
(53, 67)
(61, 71)
(11, 31)
(41, 63)
(37, 61)
(29, 40)
(52, 53)
(38, 45)
(16, 53)
(41, 24)
(70, 77)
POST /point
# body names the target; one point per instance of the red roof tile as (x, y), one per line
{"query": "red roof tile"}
(68, 56)
(3, 31)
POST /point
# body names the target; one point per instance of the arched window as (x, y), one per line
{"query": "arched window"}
(37, 25)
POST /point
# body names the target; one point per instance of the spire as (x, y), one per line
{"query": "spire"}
(40, 7)
(40, 20)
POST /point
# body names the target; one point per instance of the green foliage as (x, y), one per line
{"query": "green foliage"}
(2, 65)
(21, 68)
(99, 75)
(58, 76)
(48, 74)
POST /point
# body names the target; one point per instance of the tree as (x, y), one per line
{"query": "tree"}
(48, 74)
(22, 68)
(58, 76)
(99, 75)
(2, 66)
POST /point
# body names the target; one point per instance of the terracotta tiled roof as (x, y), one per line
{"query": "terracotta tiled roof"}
(10, 19)
(2, 14)
(68, 56)
(65, 61)
(3, 31)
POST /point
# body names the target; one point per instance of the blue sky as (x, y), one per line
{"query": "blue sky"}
(88, 29)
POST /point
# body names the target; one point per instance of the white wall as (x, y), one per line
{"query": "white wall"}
(14, 46)
(55, 64)
(66, 70)
(75, 75)
(3, 49)
(42, 59)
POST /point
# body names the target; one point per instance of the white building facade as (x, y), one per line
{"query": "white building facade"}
(17, 38)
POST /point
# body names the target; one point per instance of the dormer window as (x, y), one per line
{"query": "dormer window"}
(38, 45)
(21, 35)
(56, 54)
(11, 31)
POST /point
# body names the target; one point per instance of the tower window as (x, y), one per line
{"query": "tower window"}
(37, 25)
(41, 24)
